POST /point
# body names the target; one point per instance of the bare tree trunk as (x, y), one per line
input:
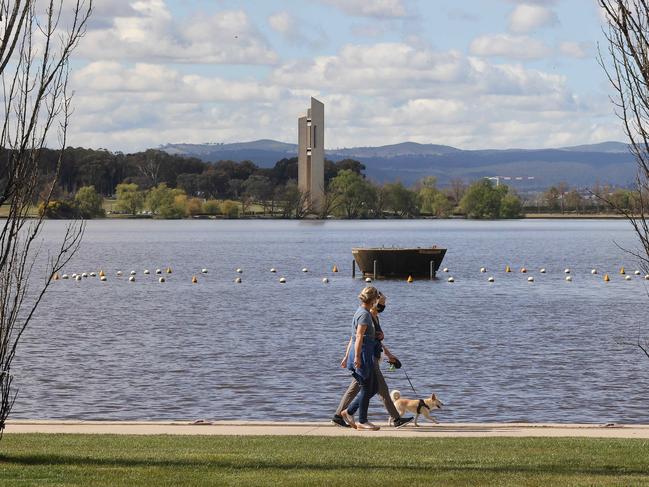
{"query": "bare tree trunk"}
(34, 55)
(627, 67)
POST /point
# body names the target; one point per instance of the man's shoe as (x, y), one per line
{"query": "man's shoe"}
(339, 421)
(367, 426)
(398, 423)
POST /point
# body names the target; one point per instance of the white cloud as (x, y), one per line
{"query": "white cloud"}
(370, 8)
(504, 45)
(527, 18)
(577, 50)
(374, 94)
(282, 22)
(152, 34)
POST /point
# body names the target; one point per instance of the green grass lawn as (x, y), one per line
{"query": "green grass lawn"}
(111, 460)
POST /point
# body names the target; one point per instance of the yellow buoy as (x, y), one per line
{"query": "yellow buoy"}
(410, 279)
(168, 270)
(101, 274)
(194, 280)
(335, 269)
(622, 271)
(508, 269)
(606, 278)
(56, 276)
(523, 270)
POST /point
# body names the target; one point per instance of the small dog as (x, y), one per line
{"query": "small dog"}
(416, 406)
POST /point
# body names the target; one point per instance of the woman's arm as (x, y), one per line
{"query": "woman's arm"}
(343, 364)
(388, 354)
(360, 333)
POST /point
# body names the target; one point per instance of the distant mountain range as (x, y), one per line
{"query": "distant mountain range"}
(583, 165)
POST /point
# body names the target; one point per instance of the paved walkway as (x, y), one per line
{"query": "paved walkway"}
(327, 429)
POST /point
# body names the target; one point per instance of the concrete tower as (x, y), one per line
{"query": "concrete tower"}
(310, 170)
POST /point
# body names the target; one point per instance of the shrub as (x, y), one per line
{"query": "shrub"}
(230, 209)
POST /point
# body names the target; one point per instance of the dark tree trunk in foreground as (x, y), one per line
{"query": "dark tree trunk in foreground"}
(36, 40)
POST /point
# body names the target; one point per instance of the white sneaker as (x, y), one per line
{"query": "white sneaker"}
(367, 426)
(349, 419)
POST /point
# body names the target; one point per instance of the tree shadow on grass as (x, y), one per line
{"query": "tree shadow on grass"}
(79, 461)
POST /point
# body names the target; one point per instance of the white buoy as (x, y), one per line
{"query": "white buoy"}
(74, 275)
(78, 278)
(239, 271)
(238, 280)
(530, 279)
(542, 271)
(85, 274)
(483, 269)
(594, 271)
(119, 273)
(325, 280)
(491, 279)
(103, 278)
(146, 272)
(93, 274)
(627, 278)
(637, 273)
(646, 278)
(158, 271)
(305, 270)
(445, 269)
(450, 279)
(65, 276)
(368, 279)
(204, 271)
(133, 273)
(567, 271)
(569, 278)
(132, 278)
(273, 270)
(282, 280)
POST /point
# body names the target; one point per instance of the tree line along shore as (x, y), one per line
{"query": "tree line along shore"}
(155, 184)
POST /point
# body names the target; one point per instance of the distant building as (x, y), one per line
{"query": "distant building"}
(311, 154)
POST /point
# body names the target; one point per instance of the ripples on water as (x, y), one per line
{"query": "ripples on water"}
(507, 351)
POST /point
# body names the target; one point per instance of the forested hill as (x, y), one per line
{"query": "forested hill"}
(608, 162)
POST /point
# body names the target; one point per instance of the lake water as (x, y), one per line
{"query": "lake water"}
(504, 351)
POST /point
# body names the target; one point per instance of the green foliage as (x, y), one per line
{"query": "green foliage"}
(401, 200)
(484, 200)
(167, 202)
(230, 209)
(211, 207)
(355, 194)
(58, 210)
(510, 206)
(129, 198)
(89, 202)
(431, 200)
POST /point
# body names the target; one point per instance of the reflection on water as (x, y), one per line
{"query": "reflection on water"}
(506, 351)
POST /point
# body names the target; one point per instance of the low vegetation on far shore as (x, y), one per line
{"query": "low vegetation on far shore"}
(109, 460)
(155, 184)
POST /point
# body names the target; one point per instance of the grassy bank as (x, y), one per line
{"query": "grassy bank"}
(107, 460)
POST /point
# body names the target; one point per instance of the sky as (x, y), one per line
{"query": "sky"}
(473, 74)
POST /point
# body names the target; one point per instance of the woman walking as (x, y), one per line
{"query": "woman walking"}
(381, 386)
(359, 358)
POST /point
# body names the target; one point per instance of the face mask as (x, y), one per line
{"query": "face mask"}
(380, 307)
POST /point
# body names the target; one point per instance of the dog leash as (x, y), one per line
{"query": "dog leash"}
(409, 381)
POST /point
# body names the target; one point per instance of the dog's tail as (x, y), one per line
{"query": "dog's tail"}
(395, 395)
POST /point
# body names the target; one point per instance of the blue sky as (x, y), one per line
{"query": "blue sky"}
(472, 74)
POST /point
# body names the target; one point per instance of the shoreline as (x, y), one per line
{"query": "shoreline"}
(278, 428)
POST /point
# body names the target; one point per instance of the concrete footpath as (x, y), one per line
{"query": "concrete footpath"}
(246, 428)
